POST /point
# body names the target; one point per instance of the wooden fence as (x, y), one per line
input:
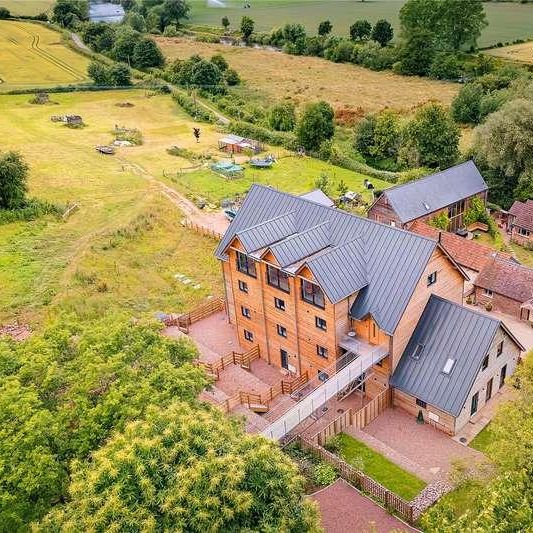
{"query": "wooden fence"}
(261, 402)
(233, 358)
(183, 321)
(202, 230)
(361, 481)
(360, 419)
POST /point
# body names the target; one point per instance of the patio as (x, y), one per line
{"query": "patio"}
(420, 449)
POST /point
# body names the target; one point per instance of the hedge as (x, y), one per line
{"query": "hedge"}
(195, 110)
(252, 131)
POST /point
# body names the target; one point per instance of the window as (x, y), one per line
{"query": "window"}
(279, 303)
(432, 278)
(488, 393)
(248, 335)
(277, 278)
(320, 323)
(456, 209)
(246, 265)
(243, 286)
(246, 312)
(282, 330)
(503, 374)
(523, 231)
(321, 351)
(284, 356)
(499, 351)
(312, 294)
(421, 403)
(473, 406)
(322, 376)
(485, 363)
(487, 293)
(448, 366)
(417, 352)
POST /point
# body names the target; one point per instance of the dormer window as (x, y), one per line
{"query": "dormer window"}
(312, 293)
(277, 278)
(246, 265)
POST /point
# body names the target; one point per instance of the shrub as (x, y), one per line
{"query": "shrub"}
(192, 108)
(252, 131)
(282, 117)
(220, 61)
(466, 105)
(4, 13)
(333, 444)
(324, 474)
(440, 221)
(445, 67)
(231, 77)
(30, 210)
(171, 31)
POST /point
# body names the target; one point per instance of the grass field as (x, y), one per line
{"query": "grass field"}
(272, 76)
(391, 476)
(33, 56)
(507, 21)
(27, 7)
(522, 53)
(124, 245)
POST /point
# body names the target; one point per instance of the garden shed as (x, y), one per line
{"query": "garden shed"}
(234, 144)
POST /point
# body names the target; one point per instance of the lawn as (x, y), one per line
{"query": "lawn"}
(271, 76)
(83, 262)
(483, 439)
(34, 56)
(507, 21)
(292, 174)
(391, 476)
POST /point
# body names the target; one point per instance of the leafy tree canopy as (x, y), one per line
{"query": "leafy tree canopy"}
(67, 13)
(324, 28)
(282, 117)
(146, 53)
(247, 27)
(360, 30)
(13, 178)
(382, 32)
(183, 470)
(315, 125)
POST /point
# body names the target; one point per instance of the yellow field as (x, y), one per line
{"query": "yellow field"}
(523, 53)
(275, 75)
(33, 56)
(27, 7)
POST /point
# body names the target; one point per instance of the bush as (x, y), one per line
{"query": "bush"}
(4, 13)
(231, 77)
(220, 61)
(333, 444)
(193, 109)
(446, 67)
(30, 210)
(324, 474)
(466, 105)
(171, 31)
(282, 117)
(277, 138)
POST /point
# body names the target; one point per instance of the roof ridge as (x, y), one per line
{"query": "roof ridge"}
(299, 233)
(265, 221)
(503, 259)
(464, 308)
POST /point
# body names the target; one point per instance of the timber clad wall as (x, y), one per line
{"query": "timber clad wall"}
(449, 285)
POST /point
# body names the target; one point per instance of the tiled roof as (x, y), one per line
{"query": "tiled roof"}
(467, 253)
(446, 331)
(508, 279)
(387, 262)
(523, 211)
(420, 197)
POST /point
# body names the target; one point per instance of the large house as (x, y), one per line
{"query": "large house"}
(449, 192)
(506, 286)
(310, 284)
(520, 223)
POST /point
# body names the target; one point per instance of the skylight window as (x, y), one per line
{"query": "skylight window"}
(417, 352)
(448, 366)
(426, 206)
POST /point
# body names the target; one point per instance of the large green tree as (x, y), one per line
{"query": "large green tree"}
(67, 13)
(13, 177)
(315, 125)
(382, 32)
(185, 470)
(455, 24)
(430, 138)
(174, 11)
(282, 116)
(247, 27)
(146, 53)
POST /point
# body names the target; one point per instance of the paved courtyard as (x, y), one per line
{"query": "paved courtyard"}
(346, 510)
(420, 449)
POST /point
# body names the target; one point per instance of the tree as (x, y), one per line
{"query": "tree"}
(98, 35)
(504, 144)
(466, 105)
(99, 73)
(382, 32)
(120, 75)
(206, 75)
(13, 179)
(315, 125)
(247, 27)
(136, 21)
(360, 30)
(225, 23)
(431, 138)
(66, 13)
(4, 13)
(231, 77)
(124, 43)
(186, 470)
(454, 24)
(220, 61)
(282, 116)
(324, 28)
(416, 53)
(173, 12)
(147, 54)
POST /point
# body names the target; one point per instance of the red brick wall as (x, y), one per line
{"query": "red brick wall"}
(499, 303)
(521, 239)
(383, 212)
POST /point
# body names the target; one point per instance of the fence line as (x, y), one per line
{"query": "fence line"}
(361, 481)
(202, 230)
(183, 321)
(360, 419)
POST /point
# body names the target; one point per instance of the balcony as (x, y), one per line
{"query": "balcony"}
(361, 348)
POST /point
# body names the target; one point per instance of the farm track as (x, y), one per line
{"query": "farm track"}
(47, 56)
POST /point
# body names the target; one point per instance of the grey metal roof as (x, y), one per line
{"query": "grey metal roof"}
(393, 259)
(301, 245)
(426, 195)
(255, 237)
(446, 331)
(318, 197)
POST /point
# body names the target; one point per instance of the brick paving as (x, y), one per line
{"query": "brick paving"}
(346, 510)
(420, 449)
